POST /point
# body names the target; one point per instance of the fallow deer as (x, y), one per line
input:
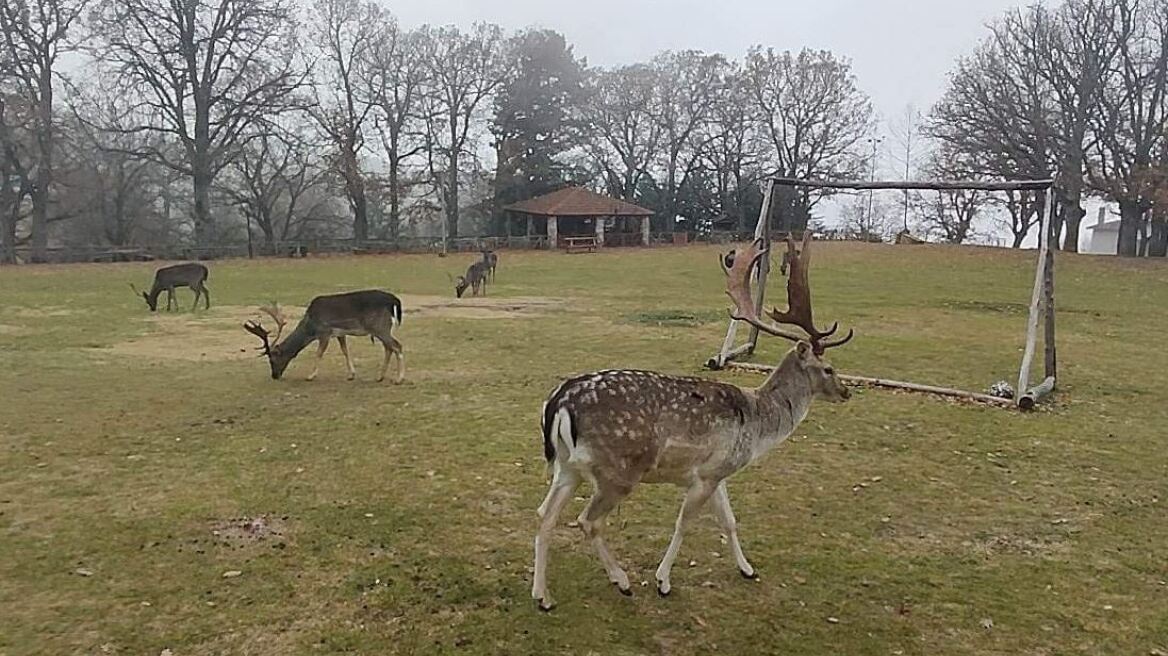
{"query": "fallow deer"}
(191, 275)
(491, 259)
(370, 312)
(619, 428)
(475, 279)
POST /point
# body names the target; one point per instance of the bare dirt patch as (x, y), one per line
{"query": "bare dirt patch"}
(481, 307)
(6, 329)
(216, 335)
(239, 532)
(40, 313)
(213, 335)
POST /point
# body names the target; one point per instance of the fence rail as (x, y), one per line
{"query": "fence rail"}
(327, 247)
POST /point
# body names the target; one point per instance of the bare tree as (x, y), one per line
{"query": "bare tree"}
(906, 149)
(686, 90)
(734, 148)
(949, 215)
(207, 73)
(272, 182)
(813, 116)
(1078, 45)
(994, 120)
(622, 136)
(1132, 118)
(463, 70)
(867, 221)
(35, 34)
(17, 157)
(110, 190)
(395, 83)
(347, 33)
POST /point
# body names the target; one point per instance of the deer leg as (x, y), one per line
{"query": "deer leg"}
(392, 347)
(695, 497)
(592, 522)
(195, 305)
(721, 503)
(348, 360)
(562, 487)
(206, 297)
(169, 298)
(321, 347)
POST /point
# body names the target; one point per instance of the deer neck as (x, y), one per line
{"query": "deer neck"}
(783, 402)
(301, 336)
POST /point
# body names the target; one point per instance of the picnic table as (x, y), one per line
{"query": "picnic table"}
(579, 244)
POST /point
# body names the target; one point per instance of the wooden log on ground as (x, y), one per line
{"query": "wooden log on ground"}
(1033, 395)
(894, 384)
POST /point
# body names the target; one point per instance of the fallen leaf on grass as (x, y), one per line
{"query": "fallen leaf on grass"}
(231, 574)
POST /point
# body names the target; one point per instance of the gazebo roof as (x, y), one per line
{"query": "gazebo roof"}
(577, 201)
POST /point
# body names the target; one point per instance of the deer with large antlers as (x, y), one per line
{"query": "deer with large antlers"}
(619, 428)
(370, 312)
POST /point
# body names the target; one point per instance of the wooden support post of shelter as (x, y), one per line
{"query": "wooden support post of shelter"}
(1042, 298)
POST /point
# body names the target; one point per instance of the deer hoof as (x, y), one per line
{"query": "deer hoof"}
(663, 589)
(753, 576)
(628, 592)
(545, 605)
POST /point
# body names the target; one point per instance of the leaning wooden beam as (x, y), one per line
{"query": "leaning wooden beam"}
(1036, 296)
(761, 231)
(894, 384)
(1033, 395)
(1007, 185)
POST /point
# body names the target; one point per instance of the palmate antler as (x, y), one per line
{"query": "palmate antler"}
(256, 329)
(738, 267)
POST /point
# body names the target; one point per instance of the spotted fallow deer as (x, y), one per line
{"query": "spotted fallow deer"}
(370, 312)
(619, 428)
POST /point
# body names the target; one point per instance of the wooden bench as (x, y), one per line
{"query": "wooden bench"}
(579, 244)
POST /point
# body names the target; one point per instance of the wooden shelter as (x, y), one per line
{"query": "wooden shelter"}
(575, 212)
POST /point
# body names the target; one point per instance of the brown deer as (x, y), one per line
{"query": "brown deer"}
(491, 259)
(475, 278)
(178, 275)
(370, 312)
(619, 428)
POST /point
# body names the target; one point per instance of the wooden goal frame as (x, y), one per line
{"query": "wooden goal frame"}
(1041, 299)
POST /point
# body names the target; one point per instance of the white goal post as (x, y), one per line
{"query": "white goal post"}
(1041, 299)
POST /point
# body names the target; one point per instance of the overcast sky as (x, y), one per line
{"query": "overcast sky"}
(901, 50)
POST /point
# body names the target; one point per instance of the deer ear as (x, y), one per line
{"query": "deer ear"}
(804, 349)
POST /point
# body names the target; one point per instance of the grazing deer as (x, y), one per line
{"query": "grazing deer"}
(178, 275)
(475, 278)
(370, 312)
(619, 428)
(491, 259)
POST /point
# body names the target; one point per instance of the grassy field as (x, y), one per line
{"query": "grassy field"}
(144, 457)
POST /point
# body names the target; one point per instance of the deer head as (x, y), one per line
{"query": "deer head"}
(460, 286)
(270, 347)
(810, 346)
(150, 303)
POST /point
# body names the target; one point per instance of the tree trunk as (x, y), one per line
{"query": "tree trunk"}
(39, 237)
(452, 197)
(394, 198)
(1130, 218)
(44, 168)
(7, 229)
(360, 211)
(1072, 219)
(204, 230)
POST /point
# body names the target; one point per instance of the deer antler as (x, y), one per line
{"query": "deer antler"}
(798, 312)
(277, 315)
(258, 330)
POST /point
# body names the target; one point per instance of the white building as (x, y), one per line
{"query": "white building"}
(1102, 237)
